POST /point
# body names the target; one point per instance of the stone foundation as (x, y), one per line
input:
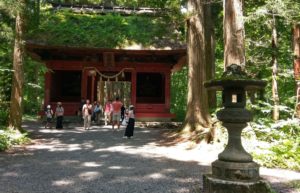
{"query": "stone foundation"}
(224, 170)
(214, 185)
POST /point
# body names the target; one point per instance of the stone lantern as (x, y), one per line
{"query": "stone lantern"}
(234, 171)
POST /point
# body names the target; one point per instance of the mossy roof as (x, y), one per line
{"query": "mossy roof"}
(65, 28)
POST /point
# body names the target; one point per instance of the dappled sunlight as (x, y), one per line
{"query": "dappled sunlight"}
(117, 167)
(63, 183)
(58, 131)
(104, 155)
(91, 164)
(88, 176)
(71, 147)
(145, 131)
(68, 162)
(100, 160)
(280, 174)
(156, 176)
(56, 145)
(204, 156)
(10, 174)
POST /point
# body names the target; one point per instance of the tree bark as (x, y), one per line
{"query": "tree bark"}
(275, 95)
(234, 51)
(15, 118)
(197, 115)
(210, 50)
(296, 47)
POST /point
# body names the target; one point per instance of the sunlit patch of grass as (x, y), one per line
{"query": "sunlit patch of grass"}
(28, 117)
(9, 138)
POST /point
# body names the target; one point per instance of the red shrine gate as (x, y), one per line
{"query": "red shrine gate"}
(138, 77)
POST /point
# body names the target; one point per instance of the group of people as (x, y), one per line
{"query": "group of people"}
(114, 113)
(59, 114)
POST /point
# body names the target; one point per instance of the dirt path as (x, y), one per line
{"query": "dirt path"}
(100, 160)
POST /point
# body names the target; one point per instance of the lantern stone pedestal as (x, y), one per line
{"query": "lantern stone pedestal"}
(234, 171)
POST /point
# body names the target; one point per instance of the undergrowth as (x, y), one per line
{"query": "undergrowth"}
(8, 138)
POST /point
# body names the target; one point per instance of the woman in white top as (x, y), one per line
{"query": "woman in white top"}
(131, 121)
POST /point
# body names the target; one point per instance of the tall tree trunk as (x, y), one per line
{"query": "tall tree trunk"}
(210, 50)
(275, 71)
(15, 118)
(197, 115)
(296, 45)
(234, 51)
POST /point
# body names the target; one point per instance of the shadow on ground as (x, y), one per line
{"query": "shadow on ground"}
(98, 160)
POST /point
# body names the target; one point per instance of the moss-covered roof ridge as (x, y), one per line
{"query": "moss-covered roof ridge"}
(63, 27)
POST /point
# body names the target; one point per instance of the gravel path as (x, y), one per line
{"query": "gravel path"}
(100, 160)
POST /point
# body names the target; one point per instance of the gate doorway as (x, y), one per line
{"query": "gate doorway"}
(101, 88)
(109, 90)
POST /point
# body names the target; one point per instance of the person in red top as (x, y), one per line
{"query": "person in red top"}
(116, 112)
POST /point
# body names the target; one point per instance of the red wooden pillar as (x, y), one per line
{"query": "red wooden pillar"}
(168, 91)
(133, 87)
(48, 77)
(93, 88)
(84, 77)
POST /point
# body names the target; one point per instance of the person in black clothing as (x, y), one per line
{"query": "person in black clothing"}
(122, 113)
(59, 113)
(131, 120)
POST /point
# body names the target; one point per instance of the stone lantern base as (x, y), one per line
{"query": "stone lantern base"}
(215, 185)
(247, 171)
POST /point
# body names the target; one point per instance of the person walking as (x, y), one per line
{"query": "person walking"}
(87, 110)
(97, 111)
(107, 112)
(49, 116)
(116, 113)
(131, 120)
(59, 113)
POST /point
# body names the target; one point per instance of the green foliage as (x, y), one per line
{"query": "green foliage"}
(4, 113)
(34, 86)
(284, 154)
(281, 138)
(109, 31)
(179, 93)
(9, 138)
(6, 42)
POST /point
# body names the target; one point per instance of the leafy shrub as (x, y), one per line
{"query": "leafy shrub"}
(285, 154)
(4, 113)
(283, 138)
(9, 138)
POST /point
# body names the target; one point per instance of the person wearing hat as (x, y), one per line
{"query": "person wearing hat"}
(131, 121)
(59, 113)
(49, 116)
